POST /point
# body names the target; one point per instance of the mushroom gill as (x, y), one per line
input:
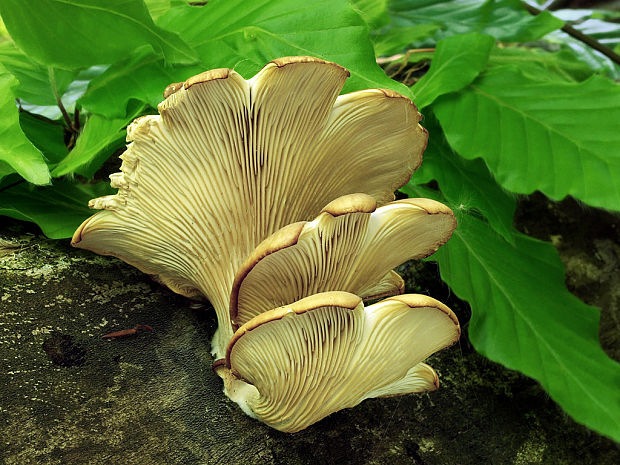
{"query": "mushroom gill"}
(294, 365)
(229, 161)
(351, 246)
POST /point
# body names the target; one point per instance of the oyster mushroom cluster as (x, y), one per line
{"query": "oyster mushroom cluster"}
(274, 198)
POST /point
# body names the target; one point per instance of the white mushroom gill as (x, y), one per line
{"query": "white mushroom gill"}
(351, 246)
(229, 161)
(294, 365)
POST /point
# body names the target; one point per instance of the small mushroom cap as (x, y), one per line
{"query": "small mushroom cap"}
(294, 365)
(352, 246)
(391, 284)
(229, 161)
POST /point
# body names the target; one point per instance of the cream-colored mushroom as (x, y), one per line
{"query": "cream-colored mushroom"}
(229, 161)
(351, 246)
(294, 365)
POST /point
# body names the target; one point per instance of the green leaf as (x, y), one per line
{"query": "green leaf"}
(143, 77)
(373, 11)
(58, 210)
(458, 60)
(247, 34)
(467, 185)
(589, 22)
(75, 34)
(605, 32)
(524, 318)
(5, 170)
(15, 148)
(506, 20)
(540, 64)
(99, 139)
(78, 87)
(392, 40)
(34, 82)
(558, 137)
(159, 7)
(4, 35)
(593, 24)
(587, 55)
(46, 135)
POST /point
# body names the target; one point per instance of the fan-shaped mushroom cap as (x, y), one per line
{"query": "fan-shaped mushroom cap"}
(294, 365)
(229, 161)
(351, 246)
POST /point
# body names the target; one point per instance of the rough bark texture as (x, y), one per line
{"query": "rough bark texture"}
(68, 396)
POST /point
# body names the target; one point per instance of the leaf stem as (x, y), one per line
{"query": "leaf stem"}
(404, 61)
(554, 4)
(13, 184)
(76, 119)
(385, 60)
(586, 39)
(65, 115)
(36, 115)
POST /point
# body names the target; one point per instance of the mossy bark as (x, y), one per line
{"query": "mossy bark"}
(67, 396)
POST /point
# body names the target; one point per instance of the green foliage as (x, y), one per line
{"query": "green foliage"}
(267, 29)
(467, 185)
(373, 11)
(48, 136)
(506, 20)
(100, 137)
(512, 105)
(57, 209)
(15, 149)
(531, 324)
(159, 7)
(34, 79)
(72, 42)
(539, 64)
(538, 134)
(390, 40)
(142, 77)
(522, 314)
(457, 62)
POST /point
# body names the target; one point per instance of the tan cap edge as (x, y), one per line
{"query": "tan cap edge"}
(290, 60)
(324, 299)
(420, 301)
(351, 203)
(281, 239)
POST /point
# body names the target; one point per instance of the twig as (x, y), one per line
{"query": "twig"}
(586, 39)
(404, 61)
(65, 115)
(76, 119)
(71, 143)
(13, 184)
(555, 4)
(383, 61)
(36, 115)
(408, 80)
(76, 129)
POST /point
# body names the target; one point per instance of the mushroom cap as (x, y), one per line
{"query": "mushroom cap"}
(351, 246)
(229, 161)
(294, 365)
